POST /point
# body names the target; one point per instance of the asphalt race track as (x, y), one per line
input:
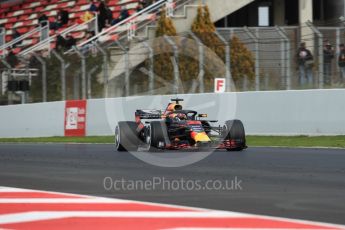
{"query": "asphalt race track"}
(296, 183)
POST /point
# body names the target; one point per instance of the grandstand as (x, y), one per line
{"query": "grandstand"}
(24, 16)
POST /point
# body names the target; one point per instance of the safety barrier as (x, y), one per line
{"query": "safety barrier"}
(304, 112)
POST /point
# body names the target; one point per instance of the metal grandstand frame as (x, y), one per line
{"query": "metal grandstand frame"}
(10, 44)
(124, 29)
(2, 36)
(45, 44)
(113, 28)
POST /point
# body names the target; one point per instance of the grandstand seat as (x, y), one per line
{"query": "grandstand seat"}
(16, 50)
(83, 2)
(8, 38)
(24, 17)
(3, 21)
(8, 26)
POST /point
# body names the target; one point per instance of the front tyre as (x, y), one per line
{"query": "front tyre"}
(126, 136)
(234, 131)
(157, 135)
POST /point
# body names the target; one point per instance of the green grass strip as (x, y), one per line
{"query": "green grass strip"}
(95, 139)
(297, 141)
(288, 141)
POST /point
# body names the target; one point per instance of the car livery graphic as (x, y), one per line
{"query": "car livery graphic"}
(176, 128)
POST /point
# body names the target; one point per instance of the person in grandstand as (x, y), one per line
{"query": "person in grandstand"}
(15, 35)
(63, 17)
(305, 65)
(105, 16)
(140, 6)
(42, 19)
(93, 6)
(65, 43)
(12, 59)
(60, 42)
(123, 15)
(55, 25)
(87, 16)
(70, 41)
(87, 46)
(148, 2)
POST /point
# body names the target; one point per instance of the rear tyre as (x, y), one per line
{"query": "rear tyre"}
(157, 134)
(235, 132)
(126, 136)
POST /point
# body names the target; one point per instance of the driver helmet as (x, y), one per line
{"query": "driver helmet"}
(178, 116)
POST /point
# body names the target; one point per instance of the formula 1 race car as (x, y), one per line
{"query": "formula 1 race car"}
(175, 129)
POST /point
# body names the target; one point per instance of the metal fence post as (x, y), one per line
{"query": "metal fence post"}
(337, 45)
(257, 56)
(105, 69)
(44, 76)
(151, 71)
(2, 37)
(89, 76)
(127, 72)
(96, 23)
(201, 63)
(228, 75)
(320, 51)
(286, 56)
(24, 95)
(282, 57)
(83, 72)
(62, 74)
(288, 60)
(175, 62)
(9, 67)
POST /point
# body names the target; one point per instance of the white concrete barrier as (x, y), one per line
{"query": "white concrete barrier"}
(305, 112)
(32, 120)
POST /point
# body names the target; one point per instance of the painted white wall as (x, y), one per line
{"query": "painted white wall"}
(311, 112)
(305, 112)
(32, 120)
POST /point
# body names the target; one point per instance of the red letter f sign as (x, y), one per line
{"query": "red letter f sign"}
(219, 85)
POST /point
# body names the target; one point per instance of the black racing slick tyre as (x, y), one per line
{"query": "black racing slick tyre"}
(157, 135)
(126, 136)
(235, 132)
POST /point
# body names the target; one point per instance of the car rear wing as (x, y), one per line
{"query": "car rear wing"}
(149, 114)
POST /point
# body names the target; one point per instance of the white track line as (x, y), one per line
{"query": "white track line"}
(60, 200)
(6, 189)
(42, 216)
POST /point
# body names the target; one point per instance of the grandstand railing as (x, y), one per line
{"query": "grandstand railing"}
(140, 25)
(139, 20)
(23, 37)
(109, 31)
(46, 44)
